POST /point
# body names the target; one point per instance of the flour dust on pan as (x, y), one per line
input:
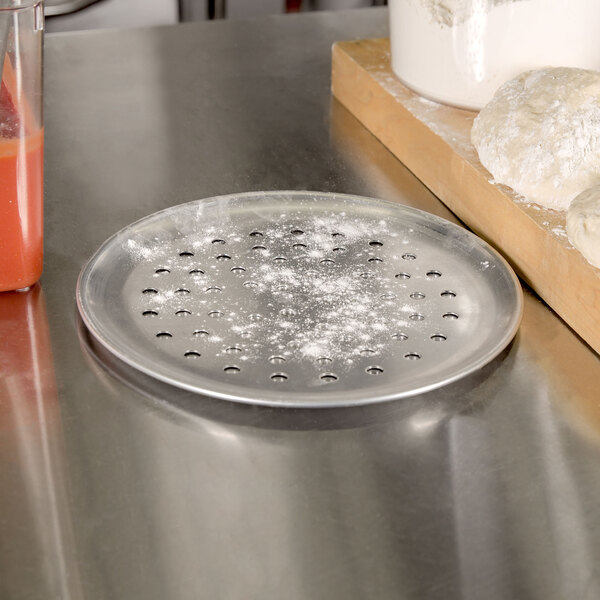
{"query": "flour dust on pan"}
(300, 299)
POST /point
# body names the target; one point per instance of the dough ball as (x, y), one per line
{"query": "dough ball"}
(540, 134)
(583, 224)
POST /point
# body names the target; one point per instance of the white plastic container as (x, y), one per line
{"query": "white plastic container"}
(459, 52)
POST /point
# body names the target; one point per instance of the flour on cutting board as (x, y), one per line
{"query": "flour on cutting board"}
(429, 112)
(442, 120)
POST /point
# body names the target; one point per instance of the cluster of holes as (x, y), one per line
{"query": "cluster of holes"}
(435, 337)
(289, 312)
(183, 312)
(400, 336)
(430, 274)
(297, 232)
(327, 377)
(279, 377)
(408, 256)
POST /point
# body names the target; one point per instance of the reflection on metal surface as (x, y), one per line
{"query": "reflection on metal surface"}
(426, 422)
(423, 412)
(539, 504)
(32, 457)
(437, 485)
(176, 496)
(573, 368)
(289, 491)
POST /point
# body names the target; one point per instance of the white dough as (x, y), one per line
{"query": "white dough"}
(583, 224)
(540, 134)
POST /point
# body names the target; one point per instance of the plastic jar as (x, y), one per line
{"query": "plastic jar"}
(21, 143)
(459, 52)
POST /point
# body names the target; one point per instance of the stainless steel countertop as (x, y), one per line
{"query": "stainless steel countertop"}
(116, 486)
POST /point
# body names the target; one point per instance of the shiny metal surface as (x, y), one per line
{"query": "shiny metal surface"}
(114, 485)
(292, 298)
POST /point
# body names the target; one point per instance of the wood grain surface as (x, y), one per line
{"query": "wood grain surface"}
(433, 141)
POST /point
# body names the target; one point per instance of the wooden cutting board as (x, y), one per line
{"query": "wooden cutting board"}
(433, 141)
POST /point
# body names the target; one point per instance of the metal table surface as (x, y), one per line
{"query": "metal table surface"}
(116, 486)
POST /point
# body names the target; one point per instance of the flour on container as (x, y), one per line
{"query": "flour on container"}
(454, 12)
(460, 51)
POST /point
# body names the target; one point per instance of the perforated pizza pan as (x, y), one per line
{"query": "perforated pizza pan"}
(300, 299)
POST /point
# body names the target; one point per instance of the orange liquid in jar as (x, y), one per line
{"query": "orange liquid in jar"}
(21, 185)
(21, 210)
